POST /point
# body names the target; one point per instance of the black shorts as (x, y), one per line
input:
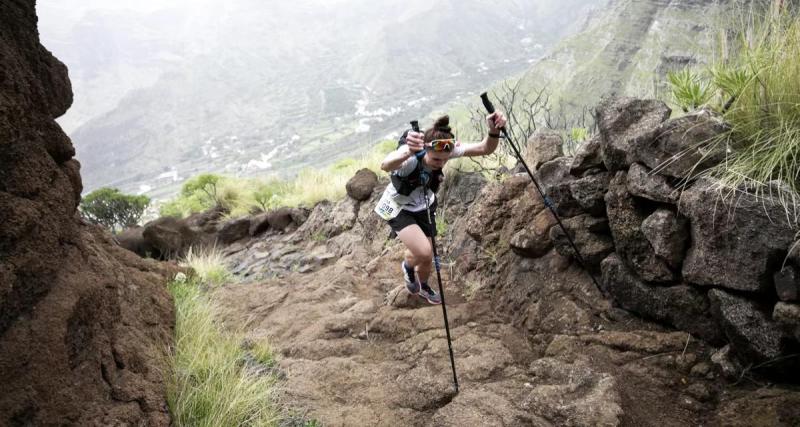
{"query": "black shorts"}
(406, 218)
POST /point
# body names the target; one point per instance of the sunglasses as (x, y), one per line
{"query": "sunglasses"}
(443, 144)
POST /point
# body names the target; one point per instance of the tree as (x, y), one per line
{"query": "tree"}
(112, 209)
(206, 183)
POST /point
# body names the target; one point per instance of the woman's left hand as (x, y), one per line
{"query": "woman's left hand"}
(496, 121)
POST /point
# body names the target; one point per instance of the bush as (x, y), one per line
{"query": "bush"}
(113, 209)
(755, 84)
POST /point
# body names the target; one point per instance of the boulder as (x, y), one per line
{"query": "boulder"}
(668, 234)
(684, 146)
(234, 230)
(625, 220)
(132, 239)
(503, 209)
(206, 221)
(279, 219)
(360, 186)
(590, 235)
(259, 224)
(542, 147)
(342, 217)
(643, 183)
(590, 191)
(555, 180)
(588, 156)
(625, 123)
(754, 337)
(534, 240)
(680, 306)
(169, 237)
(736, 240)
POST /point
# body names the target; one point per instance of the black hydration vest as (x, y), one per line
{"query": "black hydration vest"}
(418, 177)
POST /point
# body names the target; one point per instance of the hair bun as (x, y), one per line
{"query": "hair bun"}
(442, 124)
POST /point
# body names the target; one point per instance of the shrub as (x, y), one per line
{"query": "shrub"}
(755, 84)
(113, 209)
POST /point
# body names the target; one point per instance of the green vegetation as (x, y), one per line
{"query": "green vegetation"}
(113, 209)
(241, 196)
(209, 385)
(208, 265)
(755, 84)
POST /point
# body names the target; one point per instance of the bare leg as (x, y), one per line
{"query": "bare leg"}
(419, 252)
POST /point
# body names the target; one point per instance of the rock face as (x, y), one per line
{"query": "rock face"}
(737, 241)
(82, 321)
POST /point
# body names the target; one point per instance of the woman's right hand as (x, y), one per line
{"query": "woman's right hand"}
(415, 141)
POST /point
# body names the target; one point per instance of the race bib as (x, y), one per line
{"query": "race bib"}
(387, 207)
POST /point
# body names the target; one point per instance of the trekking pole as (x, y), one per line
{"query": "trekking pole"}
(437, 264)
(547, 201)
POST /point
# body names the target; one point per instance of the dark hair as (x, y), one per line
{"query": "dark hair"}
(440, 130)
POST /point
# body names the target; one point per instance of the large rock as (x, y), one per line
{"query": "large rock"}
(555, 180)
(503, 209)
(206, 221)
(590, 192)
(589, 156)
(643, 183)
(280, 219)
(132, 239)
(624, 124)
(680, 306)
(752, 333)
(542, 147)
(590, 235)
(736, 240)
(534, 240)
(170, 237)
(234, 230)
(360, 186)
(625, 220)
(258, 224)
(684, 146)
(668, 235)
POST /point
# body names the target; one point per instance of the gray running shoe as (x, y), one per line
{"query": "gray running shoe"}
(411, 282)
(429, 294)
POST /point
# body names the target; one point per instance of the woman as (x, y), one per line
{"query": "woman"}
(418, 161)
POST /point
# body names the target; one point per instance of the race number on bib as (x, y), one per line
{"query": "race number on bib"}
(387, 208)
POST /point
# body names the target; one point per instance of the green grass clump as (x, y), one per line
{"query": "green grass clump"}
(209, 383)
(755, 84)
(208, 264)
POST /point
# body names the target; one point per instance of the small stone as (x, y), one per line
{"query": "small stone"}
(699, 391)
(701, 369)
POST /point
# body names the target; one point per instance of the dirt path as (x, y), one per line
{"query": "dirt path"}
(358, 350)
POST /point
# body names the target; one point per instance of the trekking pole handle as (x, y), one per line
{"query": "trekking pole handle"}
(487, 103)
(415, 126)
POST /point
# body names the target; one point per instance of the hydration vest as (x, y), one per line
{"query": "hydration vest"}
(418, 177)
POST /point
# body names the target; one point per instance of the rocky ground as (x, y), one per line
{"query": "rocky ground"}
(534, 342)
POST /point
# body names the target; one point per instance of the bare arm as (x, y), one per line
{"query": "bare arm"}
(496, 121)
(395, 159)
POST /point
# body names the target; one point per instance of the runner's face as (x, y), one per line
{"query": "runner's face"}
(436, 159)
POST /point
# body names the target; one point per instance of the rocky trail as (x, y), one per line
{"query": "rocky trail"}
(357, 349)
